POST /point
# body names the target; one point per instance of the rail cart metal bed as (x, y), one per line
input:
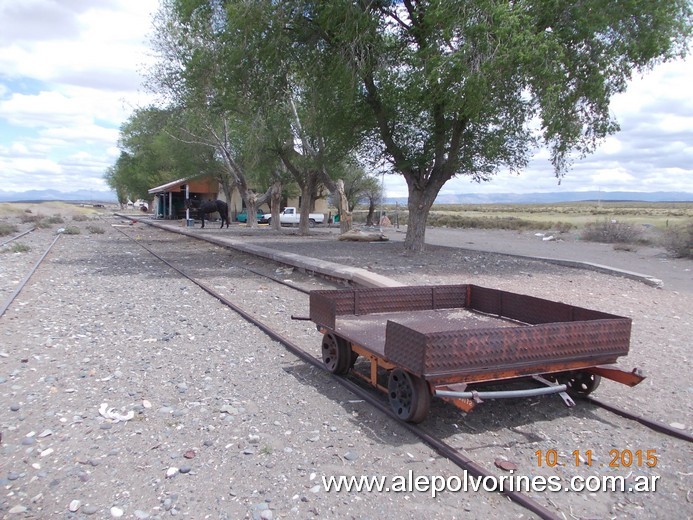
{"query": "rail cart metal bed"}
(446, 341)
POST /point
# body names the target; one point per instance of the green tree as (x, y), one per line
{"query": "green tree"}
(454, 86)
(194, 76)
(151, 155)
(310, 114)
(372, 194)
(116, 184)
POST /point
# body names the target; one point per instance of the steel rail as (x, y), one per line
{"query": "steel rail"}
(439, 445)
(650, 423)
(18, 236)
(26, 279)
(276, 280)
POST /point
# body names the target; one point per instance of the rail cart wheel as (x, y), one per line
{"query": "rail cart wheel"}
(409, 396)
(581, 384)
(336, 354)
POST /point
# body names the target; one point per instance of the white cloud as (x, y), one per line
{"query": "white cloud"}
(43, 109)
(69, 77)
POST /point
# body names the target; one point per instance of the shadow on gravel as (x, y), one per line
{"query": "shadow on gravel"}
(445, 420)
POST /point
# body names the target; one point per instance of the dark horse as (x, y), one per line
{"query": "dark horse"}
(209, 206)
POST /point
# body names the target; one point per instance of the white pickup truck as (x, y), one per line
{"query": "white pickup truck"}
(290, 216)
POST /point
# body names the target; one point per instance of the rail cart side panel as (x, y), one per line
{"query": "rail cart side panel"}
(323, 309)
(379, 300)
(521, 350)
(405, 347)
(529, 309)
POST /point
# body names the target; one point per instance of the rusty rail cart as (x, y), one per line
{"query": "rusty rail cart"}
(450, 341)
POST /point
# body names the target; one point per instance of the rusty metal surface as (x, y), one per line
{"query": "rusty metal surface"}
(523, 350)
(430, 344)
(325, 306)
(370, 329)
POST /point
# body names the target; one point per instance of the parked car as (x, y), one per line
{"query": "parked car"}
(243, 216)
(290, 216)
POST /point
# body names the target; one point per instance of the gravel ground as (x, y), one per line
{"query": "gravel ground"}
(219, 421)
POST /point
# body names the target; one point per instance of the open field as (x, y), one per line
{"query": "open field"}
(557, 217)
(50, 209)
(659, 215)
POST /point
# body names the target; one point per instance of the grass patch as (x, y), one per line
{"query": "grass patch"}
(266, 450)
(55, 219)
(19, 247)
(467, 221)
(7, 229)
(71, 230)
(80, 217)
(508, 223)
(29, 218)
(41, 221)
(679, 240)
(611, 232)
(95, 230)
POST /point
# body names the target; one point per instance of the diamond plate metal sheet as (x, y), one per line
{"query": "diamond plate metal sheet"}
(530, 335)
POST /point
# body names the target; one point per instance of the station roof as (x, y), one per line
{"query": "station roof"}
(169, 186)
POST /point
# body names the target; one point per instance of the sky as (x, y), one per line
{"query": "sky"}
(71, 74)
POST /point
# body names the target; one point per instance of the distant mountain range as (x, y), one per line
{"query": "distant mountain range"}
(554, 197)
(46, 195)
(463, 198)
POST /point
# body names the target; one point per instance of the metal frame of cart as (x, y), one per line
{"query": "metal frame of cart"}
(446, 340)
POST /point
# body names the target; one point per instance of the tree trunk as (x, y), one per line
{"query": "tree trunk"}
(340, 199)
(275, 205)
(337, 190)
(306, 192)
(371, 211)
(420, 202)
(227, 185)
(251, 210)
(342, 207)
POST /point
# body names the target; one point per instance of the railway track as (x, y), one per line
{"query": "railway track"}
(26, 278)
(439, 445)
(16, 237)
(445, 449)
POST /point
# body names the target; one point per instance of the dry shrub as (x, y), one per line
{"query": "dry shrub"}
(679, 240)
(7, 229)
(29, 217)
(563, 227)
(625, 247)
(80, 218)
(71, 230)
(611, 232)
(42, 222)
(18, 247)
(95, 230)
(55, 219)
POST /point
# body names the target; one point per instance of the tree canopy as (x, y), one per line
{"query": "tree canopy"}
(431, 89)
(457, 87)
(151, 155)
